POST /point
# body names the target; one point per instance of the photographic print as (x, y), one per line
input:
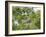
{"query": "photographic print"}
(24, 18)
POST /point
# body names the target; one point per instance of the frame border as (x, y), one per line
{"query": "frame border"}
(6, 18)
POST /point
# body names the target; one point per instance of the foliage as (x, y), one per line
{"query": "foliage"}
(27, 18)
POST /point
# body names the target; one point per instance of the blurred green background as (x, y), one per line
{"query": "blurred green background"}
(25, 18)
